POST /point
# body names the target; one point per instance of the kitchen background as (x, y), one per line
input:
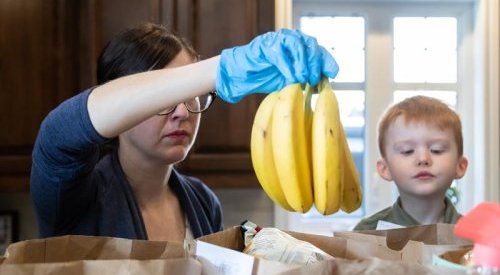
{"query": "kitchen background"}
(48, 50)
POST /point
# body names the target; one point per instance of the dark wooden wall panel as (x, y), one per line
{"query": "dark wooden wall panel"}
(48, 52)
(117, 15)
(38, 69)
(221, 156)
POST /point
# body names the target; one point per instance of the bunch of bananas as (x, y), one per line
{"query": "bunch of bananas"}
(301, 157)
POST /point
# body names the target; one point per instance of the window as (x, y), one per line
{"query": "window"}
(386, 51)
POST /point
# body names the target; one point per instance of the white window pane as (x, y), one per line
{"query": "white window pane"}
(425, 49)
(335, 32)
(351, 108)
(350, 33)
(351, 65)
(441, 33)
(410, 66)
(425, 32)
(409, 33)
(425, 66)
(352, 115)
(344, 37)
(319, 27)
(448, 97)
(441, 66)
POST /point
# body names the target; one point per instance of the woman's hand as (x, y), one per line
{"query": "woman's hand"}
(270, 62)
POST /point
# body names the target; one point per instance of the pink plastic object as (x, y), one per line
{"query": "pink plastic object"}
(482, 226)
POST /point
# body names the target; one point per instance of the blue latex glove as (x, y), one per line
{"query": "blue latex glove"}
(270, 62)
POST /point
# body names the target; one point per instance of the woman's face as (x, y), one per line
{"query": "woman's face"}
(164, 139)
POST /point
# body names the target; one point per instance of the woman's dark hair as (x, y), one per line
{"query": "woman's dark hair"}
(139, 49)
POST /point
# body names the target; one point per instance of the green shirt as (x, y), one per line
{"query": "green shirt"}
(396, 214)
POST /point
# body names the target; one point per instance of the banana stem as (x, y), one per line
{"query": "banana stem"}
(324, 84)
(308, 95)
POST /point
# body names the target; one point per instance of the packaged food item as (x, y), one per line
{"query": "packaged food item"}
(273, 244)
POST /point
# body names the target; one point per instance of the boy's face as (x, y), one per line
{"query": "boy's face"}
(422, 160)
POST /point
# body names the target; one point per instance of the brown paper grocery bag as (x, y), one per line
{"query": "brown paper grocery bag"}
(83, 255)
(75, 248)
(348, 249)
(232, 238)
(351, 257)
(416, 244)
(187, 266)
(370, 266)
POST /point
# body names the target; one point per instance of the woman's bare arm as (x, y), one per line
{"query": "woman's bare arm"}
(122, 103)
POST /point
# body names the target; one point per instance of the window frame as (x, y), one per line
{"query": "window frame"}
(379, 47)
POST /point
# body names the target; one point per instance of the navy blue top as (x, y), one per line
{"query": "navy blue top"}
(76, 192)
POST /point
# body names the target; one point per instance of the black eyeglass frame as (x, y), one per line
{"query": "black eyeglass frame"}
(212, 94)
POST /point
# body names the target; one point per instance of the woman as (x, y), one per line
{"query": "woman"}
(150, 95)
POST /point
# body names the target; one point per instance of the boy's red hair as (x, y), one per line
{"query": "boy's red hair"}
(422, 109)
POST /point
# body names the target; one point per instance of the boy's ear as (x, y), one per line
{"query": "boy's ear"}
(461, 167)
(383, 170)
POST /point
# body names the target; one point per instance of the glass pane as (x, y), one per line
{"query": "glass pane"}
(425, 49)
(409, 33)
(352, 115)
(351, 65)
(344, 37)
(410, 66)
(335, 32)
(441, 33)
(319, 27)
(425, 32)
(448, 97)
(441, 66)
(351, 107)
(349, 32)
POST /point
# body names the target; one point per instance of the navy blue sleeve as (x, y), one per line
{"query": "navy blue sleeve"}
(65, 153)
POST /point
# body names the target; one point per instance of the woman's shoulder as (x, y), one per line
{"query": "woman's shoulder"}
(194, 186)
(191, 182)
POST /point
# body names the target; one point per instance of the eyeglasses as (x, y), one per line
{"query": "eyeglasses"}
(196, 105)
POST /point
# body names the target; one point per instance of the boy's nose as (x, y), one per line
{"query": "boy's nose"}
(423, 162)
(423, 159)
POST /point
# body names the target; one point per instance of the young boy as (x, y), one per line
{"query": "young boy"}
(420, 142)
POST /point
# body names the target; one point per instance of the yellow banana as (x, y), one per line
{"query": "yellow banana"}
(299, 155)
(308, 117)
(327, 155)
(308, 113)
(290, 148)
(352, 194)
(262, 153)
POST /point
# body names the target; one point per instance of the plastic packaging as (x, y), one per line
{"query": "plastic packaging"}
(275, 245)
